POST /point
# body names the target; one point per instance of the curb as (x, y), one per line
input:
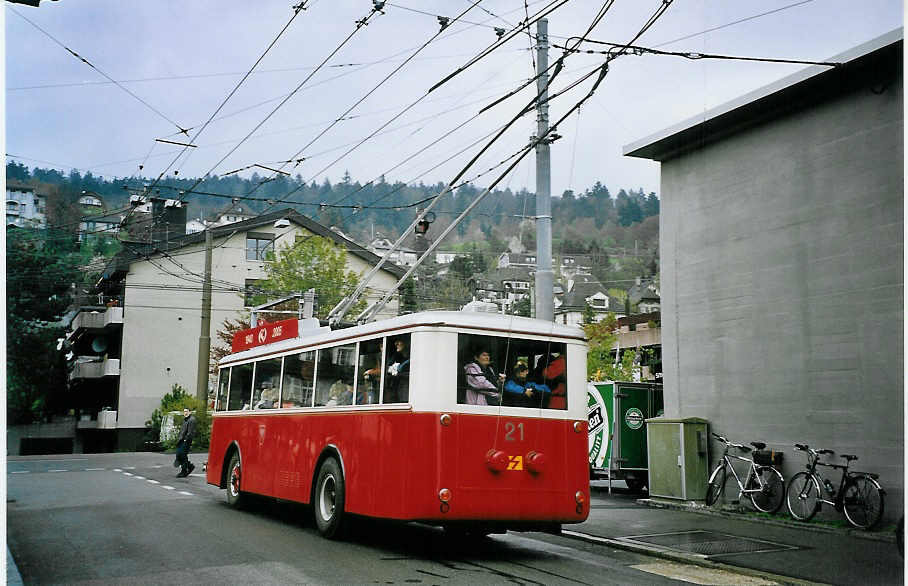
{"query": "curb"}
(679, 557)
(741, 514)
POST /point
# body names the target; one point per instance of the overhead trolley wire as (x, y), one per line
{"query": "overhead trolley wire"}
(296, 10)
(369, 313)
(369, 93)
(693, 55)
(359, 25)
(109, 78)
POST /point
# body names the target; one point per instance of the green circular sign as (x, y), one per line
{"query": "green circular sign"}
(633, 417)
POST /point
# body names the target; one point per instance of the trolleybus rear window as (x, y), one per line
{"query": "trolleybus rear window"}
(513, 372)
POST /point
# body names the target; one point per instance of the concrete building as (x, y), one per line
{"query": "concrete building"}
(146, 341)
(25, 207)
(782, 284)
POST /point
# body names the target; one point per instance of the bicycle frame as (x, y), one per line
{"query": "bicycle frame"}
(752, 472)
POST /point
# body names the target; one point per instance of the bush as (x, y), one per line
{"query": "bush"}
(176, 400)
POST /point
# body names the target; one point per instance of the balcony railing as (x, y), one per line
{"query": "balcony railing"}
(83, 370)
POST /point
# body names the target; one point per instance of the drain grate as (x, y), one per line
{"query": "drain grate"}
(709, 543)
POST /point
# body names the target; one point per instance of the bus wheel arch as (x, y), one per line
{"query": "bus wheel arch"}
(329, 494)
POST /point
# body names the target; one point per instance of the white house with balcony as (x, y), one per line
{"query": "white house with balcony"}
(160, 286)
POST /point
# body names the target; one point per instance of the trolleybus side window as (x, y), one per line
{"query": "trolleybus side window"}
(240, 387)
(397, 370)
(335, 378)
(267, 384)
(514, 372)
(299, 376)
(370, 371)
(223, 387)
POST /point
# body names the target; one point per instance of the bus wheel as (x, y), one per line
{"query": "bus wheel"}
(329, 500)
(235, 497)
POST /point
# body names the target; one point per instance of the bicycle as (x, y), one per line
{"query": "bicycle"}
(859, 495)
(764, 485)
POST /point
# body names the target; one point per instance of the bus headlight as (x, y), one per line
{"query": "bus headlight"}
(579, 426)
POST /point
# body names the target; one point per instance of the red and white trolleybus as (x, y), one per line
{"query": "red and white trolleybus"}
(396, 419)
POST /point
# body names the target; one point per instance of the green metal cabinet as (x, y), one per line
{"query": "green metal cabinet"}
(678, 459)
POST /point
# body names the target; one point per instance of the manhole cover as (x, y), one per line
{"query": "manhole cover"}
(709, 543)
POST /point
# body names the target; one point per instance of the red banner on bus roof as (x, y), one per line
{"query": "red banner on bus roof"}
(265, 334)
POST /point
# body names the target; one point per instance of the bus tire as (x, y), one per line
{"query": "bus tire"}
(235, 497)
(328, 505)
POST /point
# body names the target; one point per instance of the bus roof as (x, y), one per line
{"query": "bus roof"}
(479, 321)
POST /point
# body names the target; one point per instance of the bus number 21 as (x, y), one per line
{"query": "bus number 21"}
(510, 428)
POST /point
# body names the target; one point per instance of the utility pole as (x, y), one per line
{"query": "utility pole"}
(201, 388)
(545, 297)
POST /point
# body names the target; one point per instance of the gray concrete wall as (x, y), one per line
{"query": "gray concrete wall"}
(782, 283)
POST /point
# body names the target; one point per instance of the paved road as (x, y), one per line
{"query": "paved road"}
(125, 519)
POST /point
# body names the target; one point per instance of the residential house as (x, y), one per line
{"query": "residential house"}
(25, 207)
(782, 273)
(585, 296)
(644, 296)
(96, 221)
(503, 286)
(230, 214)
(152, 334)
(402, 256)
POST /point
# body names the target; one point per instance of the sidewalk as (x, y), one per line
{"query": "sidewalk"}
(774, 547)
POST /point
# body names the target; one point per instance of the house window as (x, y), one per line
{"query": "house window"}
(258, 245)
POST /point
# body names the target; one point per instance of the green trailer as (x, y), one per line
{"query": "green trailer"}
(618, 443)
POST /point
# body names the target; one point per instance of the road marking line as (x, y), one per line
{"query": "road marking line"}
(198, 475)
(58, 470)
(164, 486)
(183, 492)
(20, 472)
(699, 575)
(158, 466)
(153, 481)
(129, 467)
(117, 470)
(127, 474)
(94, 469)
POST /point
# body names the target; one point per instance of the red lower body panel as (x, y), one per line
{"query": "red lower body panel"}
(502, 470)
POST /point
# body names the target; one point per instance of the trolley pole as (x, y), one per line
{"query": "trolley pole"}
(201, 388)
(545, 297)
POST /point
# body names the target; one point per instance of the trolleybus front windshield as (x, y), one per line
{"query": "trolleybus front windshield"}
(514, 372)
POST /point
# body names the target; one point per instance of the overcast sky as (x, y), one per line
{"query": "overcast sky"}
(183, 58)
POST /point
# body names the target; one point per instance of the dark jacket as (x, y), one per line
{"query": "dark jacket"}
(188, 429)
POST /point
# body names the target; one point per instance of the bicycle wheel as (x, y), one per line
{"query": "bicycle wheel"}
(772, 489)
(716, 485)
(863, 502)
(803, 496)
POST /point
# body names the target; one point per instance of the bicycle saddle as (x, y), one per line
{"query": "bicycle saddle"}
(849, 457)
(758, 445)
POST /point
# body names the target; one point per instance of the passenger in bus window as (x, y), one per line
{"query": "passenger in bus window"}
(397, 383)
(519, 392)
(267, 397)
(554, 374)
(340, 393)
(482, 381)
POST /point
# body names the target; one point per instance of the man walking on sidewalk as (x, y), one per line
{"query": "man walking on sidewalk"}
(187, 434)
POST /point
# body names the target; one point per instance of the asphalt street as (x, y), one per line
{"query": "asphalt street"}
(125, 519)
